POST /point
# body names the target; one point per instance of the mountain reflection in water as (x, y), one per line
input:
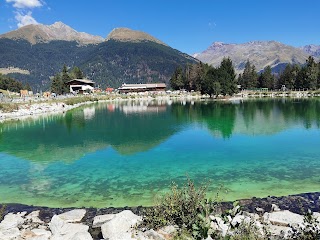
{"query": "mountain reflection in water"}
(135, 127)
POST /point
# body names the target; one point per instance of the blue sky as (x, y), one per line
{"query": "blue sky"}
(189, 26)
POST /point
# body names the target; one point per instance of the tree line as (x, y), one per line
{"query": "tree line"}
(293, 76)
(222, 80)
(59, 81)
(8, 83)
(206, 79)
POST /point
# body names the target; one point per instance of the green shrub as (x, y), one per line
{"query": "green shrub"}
(185, 207)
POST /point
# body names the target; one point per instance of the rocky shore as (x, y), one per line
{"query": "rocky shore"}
(36, 109)
(281, 216)
(33, 108)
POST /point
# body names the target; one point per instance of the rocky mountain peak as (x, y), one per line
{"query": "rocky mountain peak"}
(129, 35)
(260, 53)
(40, 33)
(312, 49)
(58, 25)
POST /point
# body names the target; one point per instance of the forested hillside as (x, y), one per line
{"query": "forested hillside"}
(110, 63)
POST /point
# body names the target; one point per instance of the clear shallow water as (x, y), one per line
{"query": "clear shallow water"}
(126, 154)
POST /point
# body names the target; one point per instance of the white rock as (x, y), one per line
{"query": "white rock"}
(56, 225)
(238, 219)
(168, 230)
(219, 225)
(151, 234)
(9, 234)
(42, 237)
(279, 231)
(62, 230)
(120, 226)
(34, 217)
(258, 209)
(75, 215)
(27, 234)
(317, 215)
(11, 220)
(42, 232)
(275, 208)
(283, 218)
(99, 220)
(82, 236)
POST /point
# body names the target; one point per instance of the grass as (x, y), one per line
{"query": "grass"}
(9, 107)
(2, 211)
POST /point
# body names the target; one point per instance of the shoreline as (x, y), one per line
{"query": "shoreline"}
(59, 106)
(33, 108)
(297, 205)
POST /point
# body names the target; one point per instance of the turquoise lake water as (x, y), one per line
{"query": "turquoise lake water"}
(126, 154)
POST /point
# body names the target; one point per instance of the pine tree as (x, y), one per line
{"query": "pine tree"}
(266, 78)
(57, 84)
(65, 77)
(76, 73)
(227, 77)
(311, 77)
(177, 80)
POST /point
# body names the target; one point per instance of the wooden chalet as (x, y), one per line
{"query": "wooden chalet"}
(81, 85)
(149, 87)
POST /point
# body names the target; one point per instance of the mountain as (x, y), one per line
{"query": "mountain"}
(126, 56)
(260, 53)
(38, 33)
(128, 35)
(313, 50)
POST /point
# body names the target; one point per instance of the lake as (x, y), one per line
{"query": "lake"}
(126, 154)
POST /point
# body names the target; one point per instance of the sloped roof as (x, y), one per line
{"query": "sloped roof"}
(82, 80)
(142, 86)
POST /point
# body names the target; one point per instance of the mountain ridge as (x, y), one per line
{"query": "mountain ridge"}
(128, 35)
(260, 53)
(39, 33)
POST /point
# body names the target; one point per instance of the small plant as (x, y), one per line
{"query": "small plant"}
(184, 207)
(2, 211)
(309, 230)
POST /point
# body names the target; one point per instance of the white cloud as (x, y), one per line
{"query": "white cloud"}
(25, 19)
(25, 3)
(21, 15)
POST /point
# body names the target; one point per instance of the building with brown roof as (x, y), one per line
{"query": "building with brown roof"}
(148, 87)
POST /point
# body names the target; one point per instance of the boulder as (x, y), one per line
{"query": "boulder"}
(63, 230)
(42, 233)
(238, 219)
(120, 226)
(275, 208)
(217, 224)
(280, 231)
(75, 215)
(9, 234)
(283, 218)
(11, 220)
(82, 236)
(98, 221)
(34, 217)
